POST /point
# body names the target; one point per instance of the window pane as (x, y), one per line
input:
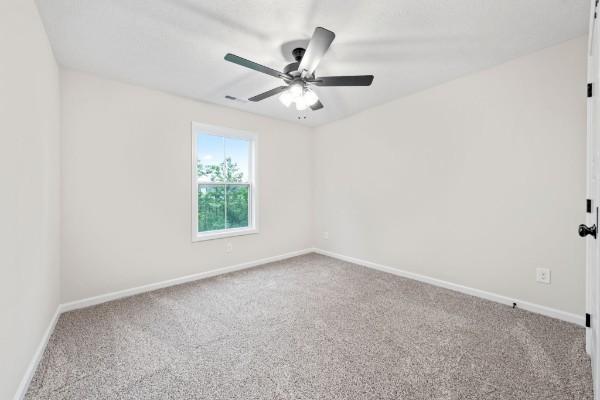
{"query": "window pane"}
(211, 207)
(210, 152)
(237, 159)
(237, 206)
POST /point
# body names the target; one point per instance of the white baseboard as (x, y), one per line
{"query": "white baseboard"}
(103, 298)
(536, 308)
(37, 357)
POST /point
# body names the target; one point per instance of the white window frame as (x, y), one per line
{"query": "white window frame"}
(252, 181)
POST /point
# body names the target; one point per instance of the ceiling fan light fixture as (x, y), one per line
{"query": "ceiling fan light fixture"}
(296, 90)
(301, 103)
(286, 98)
(310, 97)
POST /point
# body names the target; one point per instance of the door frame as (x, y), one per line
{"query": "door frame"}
(593, 193)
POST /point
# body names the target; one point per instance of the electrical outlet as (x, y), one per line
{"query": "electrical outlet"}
(542, 275)
(229, 247)
(325, 235)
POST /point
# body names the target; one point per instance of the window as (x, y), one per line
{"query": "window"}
(223, 181)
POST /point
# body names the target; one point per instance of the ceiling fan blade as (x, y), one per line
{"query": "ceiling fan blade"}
(252, 65)
(358, 80)
(317, 106)
(268, 93)
(318, 45)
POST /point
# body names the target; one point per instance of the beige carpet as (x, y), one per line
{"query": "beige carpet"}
(311, 327)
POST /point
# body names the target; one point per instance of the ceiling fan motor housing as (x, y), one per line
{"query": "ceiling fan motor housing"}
(292, 68)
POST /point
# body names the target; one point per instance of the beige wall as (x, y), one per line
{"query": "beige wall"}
(477, 181)
(29, 204)
(126, 187)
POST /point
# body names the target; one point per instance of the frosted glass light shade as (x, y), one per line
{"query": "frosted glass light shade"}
(286, 98)
(301, 103)
(296, 90)
(310, 97)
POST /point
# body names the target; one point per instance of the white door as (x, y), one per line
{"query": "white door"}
(593, 203)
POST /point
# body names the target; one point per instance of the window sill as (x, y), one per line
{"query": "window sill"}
(200, 237)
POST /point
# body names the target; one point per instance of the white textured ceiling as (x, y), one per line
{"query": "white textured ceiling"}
(178, 45)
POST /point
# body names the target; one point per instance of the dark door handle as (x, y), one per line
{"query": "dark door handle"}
(585, 230)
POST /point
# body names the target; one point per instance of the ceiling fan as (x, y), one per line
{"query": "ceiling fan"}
(300, 75)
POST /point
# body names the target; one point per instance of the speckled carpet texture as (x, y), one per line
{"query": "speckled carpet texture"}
(311, 327)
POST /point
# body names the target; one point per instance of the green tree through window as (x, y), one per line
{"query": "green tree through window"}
(223, 194)
(227, 171)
